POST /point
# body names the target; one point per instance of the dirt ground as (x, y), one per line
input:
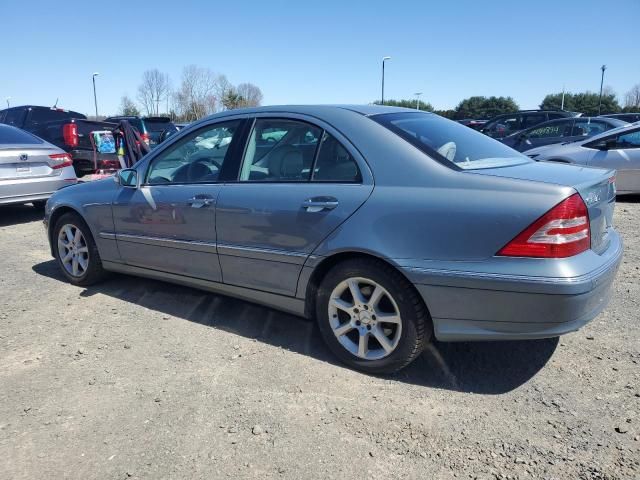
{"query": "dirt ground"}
(141, 379)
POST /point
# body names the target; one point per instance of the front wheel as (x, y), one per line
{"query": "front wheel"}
(76, 251)
(371, 317)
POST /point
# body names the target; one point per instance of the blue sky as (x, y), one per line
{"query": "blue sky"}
(319, 51)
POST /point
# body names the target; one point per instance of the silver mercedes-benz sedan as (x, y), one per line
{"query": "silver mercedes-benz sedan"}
(617, 149)
(30, 168)
(390, 226)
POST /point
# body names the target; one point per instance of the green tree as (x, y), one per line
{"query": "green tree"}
(408, 103)
(483, 107)
(128, 107)
(585, 102)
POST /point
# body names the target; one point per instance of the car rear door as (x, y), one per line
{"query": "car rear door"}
(168, 222)
(546, 134)
(298, 181)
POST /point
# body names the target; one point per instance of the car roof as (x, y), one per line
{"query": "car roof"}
(312, 110)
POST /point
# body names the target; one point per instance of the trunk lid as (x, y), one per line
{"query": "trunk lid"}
(31, 162)
(595, 186)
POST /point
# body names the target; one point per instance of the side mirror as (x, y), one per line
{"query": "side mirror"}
(607, 144)
(127, 178)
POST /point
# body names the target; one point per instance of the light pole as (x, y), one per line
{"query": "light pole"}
(417, 94)
(384, 59)
(603, 68)
(7, 99)
(95, 98)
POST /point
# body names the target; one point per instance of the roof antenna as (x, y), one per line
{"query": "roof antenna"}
(55, 105)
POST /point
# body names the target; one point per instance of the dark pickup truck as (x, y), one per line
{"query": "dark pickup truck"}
(68, 130)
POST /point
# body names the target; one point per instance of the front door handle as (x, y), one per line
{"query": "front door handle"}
(200, 201)
(318, 204)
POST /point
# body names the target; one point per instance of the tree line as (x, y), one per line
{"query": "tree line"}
(479, 107)
(201, 92)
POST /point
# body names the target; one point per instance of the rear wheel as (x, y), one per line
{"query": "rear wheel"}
(76, 251)
(371, 317)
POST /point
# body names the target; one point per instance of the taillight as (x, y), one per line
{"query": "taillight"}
(145, 138)
(61, 160)
(561, 232)
(70, 134)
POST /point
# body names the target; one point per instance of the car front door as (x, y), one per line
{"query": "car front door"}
(167, 223)
(297, 183)
(623, 154)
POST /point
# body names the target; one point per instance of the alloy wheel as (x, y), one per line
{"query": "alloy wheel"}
(73, 250)
(365, 318)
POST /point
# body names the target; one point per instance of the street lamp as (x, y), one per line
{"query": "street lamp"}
(603, 68)
(95, 98)
(417, 94)
(384, 59)
(7, 99)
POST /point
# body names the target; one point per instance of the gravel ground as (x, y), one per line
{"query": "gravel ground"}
(140, 379)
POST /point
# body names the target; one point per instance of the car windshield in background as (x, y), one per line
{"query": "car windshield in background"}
(450, 142)
(15, 136)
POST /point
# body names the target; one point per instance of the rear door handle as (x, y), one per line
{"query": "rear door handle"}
(318, 204)
(200, 201)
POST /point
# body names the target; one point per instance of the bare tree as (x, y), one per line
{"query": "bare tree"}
(250, 94)
(632, 97)
(197, 94)
(128, 107)
(153, 90)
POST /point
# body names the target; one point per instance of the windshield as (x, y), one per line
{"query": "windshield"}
(449, 142)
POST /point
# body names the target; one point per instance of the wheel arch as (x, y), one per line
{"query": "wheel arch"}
(53, 219)
(327, 263)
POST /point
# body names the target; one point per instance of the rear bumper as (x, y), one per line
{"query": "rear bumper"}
(468, 306)
(32, 189)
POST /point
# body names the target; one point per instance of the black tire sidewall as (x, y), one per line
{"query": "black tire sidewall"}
(401, 291)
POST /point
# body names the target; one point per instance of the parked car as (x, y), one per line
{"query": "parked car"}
(390, 226)
(159, 128)
(510, 123)
(30, 168)
(136, 122)
(471, 123)
(617, 149)
(560, 130)
(68, 130)
(627, 117)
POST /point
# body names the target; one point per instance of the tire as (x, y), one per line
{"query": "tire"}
(92, 271)
(39, 204)
(406, 337)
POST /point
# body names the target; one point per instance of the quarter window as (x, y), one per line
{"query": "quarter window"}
(198, 158)
(334, 162)
(280, 150)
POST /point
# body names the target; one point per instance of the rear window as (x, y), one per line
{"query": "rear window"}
(43, 115)
(449, 142)
(12, 136)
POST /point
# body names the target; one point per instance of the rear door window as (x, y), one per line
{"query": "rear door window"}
(556, 129)
(533, 119)
(628, 140)
(588, 128)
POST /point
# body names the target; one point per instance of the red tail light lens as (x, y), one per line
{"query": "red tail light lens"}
(145, 138)
(70, 134)
(561, 232)
(61, 160)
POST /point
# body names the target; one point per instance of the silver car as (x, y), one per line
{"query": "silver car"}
(617, 149)
(390, 226)
(30, 168)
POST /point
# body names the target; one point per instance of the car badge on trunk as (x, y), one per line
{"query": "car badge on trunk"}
(23, 157)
